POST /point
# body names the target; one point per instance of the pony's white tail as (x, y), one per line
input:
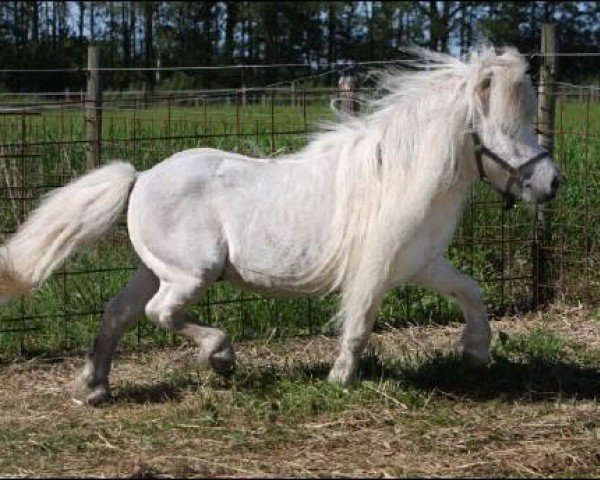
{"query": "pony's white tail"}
(68, 218)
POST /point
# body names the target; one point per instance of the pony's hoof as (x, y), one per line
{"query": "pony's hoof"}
(98, 395)
(84, 394)
(223, 361)
(475, 361)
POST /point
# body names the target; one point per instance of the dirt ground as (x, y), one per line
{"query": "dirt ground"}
(416, 412)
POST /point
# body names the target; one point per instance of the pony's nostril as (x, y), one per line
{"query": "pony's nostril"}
(555, 183)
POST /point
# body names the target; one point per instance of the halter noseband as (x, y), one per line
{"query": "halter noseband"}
(515, 174)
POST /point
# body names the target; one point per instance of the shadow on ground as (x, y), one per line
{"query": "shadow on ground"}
(535, 379)
(532, 379)
(160, 392)
(168, 390)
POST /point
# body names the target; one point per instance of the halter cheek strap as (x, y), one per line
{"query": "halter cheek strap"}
(515, 174)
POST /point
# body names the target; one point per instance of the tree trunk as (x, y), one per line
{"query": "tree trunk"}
(470, 39)
(252, 55)
(17, 21)
(269, 21)
(434, 27)
(463, 27)
(48, 19)
(372, 31)
(54, 27)
(243, 43)
(444, 26)
(92, 22)
(81, 19)
(126, 34)
(230, 30)
(330, 33)
(132, 35)
(35, 23)
(533, 23)
(206, 37)
(149, 8)
(400, 30)
(148, 38)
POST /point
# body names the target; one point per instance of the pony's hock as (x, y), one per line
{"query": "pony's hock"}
(368, 204)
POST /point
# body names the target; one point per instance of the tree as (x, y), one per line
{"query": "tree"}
(55, 34)
(441, 21)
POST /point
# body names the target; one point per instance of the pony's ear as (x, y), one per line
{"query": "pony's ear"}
(482, 91)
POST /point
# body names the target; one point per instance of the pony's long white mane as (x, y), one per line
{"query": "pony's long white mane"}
(394, 160)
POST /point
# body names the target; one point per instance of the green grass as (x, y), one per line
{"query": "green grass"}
(417, 411)
(491, 245)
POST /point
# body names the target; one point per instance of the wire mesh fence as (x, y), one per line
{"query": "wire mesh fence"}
(43, 145)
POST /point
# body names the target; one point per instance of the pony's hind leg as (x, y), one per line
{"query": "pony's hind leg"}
(167, 310)
(442, 277)
(120, 313)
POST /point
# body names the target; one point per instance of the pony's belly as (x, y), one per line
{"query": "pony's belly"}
(265, 284)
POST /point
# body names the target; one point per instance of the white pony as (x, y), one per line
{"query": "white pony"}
(368, 204)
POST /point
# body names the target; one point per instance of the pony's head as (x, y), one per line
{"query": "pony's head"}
(506, 148)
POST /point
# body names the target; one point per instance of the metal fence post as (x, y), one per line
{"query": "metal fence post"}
(238, 131)
(272, 121)
(542, 234)
(93, 110)
(293, 94)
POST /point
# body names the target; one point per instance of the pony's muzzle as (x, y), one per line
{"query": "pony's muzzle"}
(542, 181)
(545, 195)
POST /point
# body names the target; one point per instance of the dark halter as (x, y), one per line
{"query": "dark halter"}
(515, 174)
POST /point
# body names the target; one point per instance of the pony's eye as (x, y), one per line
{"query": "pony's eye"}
(485, 84)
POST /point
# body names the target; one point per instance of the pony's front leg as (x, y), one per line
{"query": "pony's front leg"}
(359, 311)
(442, 277)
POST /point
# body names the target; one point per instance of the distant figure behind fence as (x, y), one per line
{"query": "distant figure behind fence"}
(347, 95)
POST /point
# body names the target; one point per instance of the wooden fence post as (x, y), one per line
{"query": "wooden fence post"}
(542, 234)
(93, 109)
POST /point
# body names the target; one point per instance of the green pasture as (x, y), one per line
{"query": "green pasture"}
(41, 151)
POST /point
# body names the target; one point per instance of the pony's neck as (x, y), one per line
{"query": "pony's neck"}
(392, 168)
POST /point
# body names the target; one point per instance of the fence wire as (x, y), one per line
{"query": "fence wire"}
(43, 145)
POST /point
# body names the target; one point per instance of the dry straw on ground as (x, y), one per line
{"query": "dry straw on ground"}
(416, 412)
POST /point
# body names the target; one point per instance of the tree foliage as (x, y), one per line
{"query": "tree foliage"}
(55, 34)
